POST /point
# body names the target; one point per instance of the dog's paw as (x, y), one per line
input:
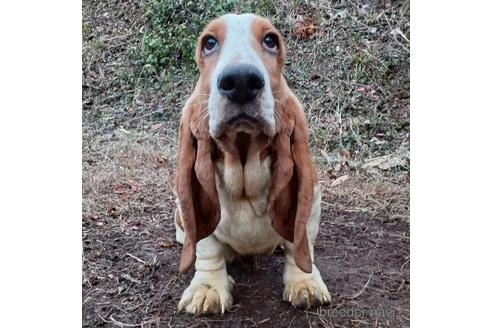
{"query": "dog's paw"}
(306, 293)
(208, 293)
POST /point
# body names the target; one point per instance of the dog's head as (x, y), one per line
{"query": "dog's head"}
(240, 58)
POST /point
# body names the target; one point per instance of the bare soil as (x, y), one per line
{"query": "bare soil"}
(130, 275)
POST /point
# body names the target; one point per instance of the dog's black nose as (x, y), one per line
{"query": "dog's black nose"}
(240, 83)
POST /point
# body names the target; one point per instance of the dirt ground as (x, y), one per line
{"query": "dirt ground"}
(352, 75)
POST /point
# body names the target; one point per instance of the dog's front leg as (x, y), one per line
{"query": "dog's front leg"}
(210, 289)
(303, 289)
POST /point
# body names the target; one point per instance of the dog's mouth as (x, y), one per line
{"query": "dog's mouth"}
(246, 123)
(242, 121)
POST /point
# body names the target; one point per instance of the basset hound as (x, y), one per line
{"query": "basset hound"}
(245, 180)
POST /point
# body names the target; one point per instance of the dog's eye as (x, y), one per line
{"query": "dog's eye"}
(270, 41)
(209, 44)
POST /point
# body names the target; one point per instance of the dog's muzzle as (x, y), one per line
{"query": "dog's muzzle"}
(241, 102)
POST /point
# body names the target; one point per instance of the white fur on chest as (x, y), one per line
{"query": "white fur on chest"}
(244, 224)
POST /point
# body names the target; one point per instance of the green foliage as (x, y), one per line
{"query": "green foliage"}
(173, 28)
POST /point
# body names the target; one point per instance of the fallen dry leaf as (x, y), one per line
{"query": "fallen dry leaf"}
(166, 244)
(368, 90)
(133, 185)
(156, 126)
(303, 28)
(162, 160)
(339, 180)
(384, 162)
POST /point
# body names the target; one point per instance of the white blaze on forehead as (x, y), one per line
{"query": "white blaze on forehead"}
(238, 43)
(237, 48)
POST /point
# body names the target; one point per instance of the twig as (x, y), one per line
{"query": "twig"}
(122, 324)
(309, 322)
(128, 277)
(138, 117)
(394, 37)
(136, 258)
(354, 296)
(403, 265)
(116, 37)
(360, 321)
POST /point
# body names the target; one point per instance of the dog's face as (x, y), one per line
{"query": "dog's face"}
(240, 58)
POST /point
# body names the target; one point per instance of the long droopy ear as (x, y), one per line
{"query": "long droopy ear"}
(293, 178)
(195, 184)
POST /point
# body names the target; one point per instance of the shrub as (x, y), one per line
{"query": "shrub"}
(173, 26)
